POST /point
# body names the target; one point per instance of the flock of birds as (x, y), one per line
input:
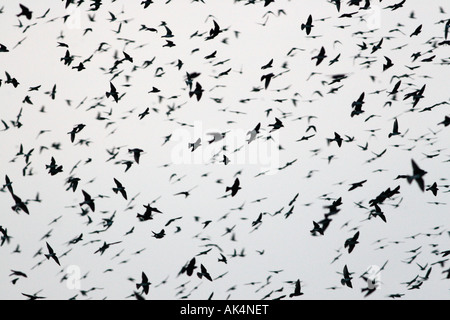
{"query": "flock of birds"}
(175, 103)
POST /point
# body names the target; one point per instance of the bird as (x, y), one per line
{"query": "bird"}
(198, 91)
(145, 284)
(146, 3)
(417, 175)
(317, 228)
(19, 204)
(136, 153)
(267, 65)
(297, 290)
(277, 125)
(159, 235)
(51, 254)
(25, 12)
(234, 188)
(395, 131)
(357, 185)
(113, 93)
(320, 57)
(308, 25)
(337, 138)
(347, 279)
(120, 188)
(388, 64)
(417, 31)
(433, 188)
(350, 243)
(76, 130)
(267, 78)
(88, 201)
(204, 273)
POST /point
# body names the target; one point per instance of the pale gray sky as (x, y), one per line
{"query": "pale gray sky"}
(250, 38)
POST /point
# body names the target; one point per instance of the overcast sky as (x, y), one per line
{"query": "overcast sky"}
(298, 95)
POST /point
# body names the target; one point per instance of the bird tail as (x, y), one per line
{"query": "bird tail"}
(227, 189)
(108, 94)
(115, 190)
(138, 285)
(47, 256)
(303, 26)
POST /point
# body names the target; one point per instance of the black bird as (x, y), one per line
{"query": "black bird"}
(396, 87)
(214, 32)
(357, 105)
(433, 188)
(8, 184)
(277, 125)
(446, 121)
(68, 59)
(204, 273)
(136, 154)
(11, 80)
(351, 242)
(113, 93)
(347, 279)
(336, 138)
(377, 212)
(146, 3)
(297, 290)
(396, 6)
(308, 25)
(19, 205)
(120, 188)
(266, 78)
(395, 131)
(145, 284)
(18, 274)
(51, 254)
(317, 228)
(25, 12)
(320, 56)
(417, 31)
(388, 64)
(127, 57)
(105, 246)
(159, 235)
(75, 130)
(234, 188)
(3, 48)
(53, 167)
(143, 114)
(267, 65)
(198, 92)
(417, 175)
(357, 185)
(88, 200)
(377, 47)
(73, 183)
(189, 267)
(32, 296)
